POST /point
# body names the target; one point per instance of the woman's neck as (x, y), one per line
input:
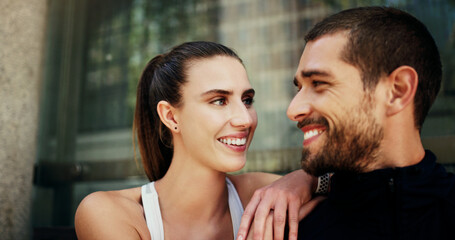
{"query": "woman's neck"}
(192, 194)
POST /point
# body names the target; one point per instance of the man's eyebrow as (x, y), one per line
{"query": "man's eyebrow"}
(314, 72)
(308, 74)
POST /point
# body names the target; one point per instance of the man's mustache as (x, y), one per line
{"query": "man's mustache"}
(308, 121)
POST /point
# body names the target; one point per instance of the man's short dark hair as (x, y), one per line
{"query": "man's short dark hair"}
(381, 39)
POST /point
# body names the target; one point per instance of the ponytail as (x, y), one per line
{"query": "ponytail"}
(155, 155)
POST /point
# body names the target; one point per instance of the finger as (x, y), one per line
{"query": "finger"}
(250, 234)
(247, 217)
(293, 217)
(308, 207)
(268, 232)
(260, 217)
(279, 218)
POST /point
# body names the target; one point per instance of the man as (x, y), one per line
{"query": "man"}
(366, 81)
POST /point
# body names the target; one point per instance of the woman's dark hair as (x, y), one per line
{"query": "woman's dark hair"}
(162, 79)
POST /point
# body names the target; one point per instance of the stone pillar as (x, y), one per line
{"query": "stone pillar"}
(22, 36)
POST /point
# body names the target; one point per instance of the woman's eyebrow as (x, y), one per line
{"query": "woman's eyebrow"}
(217, 91)
(249, 91)
(225, 92)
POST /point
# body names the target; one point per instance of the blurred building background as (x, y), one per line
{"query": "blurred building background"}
(88, 56)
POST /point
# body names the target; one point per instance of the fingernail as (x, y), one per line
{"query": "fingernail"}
(240, 237)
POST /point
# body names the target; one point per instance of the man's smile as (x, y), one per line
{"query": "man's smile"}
(311, 133)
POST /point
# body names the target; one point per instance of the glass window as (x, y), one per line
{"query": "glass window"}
(117, 38)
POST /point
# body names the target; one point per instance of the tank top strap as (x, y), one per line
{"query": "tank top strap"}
(235, 206)
(152, 211)
(154, 220)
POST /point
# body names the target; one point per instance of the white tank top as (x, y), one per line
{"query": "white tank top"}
(153, 214)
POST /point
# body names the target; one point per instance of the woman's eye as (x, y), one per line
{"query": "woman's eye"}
(219, 102)
(248, 101)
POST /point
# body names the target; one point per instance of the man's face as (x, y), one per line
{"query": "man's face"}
(338, 117)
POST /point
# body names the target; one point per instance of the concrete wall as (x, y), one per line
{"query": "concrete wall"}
(22, 34)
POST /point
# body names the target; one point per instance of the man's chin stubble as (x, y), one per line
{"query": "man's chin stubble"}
(350, 148)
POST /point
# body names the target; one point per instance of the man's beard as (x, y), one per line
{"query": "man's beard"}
(351, 146)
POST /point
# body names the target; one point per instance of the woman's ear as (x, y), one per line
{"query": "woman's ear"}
(403, 86)
(167, 115)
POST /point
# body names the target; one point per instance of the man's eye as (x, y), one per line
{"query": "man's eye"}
(318, 83)
(219, 102)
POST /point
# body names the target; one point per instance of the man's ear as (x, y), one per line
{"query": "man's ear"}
(403, 86)
(167, 115)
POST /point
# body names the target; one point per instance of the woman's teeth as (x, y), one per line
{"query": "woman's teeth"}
(233, 141)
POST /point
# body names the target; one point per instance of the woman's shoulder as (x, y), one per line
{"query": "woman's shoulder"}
(247, 183)
(126, 198)
(111, 215)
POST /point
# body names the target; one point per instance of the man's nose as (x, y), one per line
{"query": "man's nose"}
(299, 107)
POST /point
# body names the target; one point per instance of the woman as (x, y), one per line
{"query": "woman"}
(194, 121)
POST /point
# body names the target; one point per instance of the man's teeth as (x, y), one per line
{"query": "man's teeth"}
(311, 133)
(233, 141)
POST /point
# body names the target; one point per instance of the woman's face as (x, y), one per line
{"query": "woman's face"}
(217, 118)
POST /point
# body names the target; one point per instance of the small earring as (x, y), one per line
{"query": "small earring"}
(175, 128)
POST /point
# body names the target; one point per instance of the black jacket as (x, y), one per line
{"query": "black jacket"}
(415, 202)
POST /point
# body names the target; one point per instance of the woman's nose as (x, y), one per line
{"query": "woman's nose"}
(242, 116)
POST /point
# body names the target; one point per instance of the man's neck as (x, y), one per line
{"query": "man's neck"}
(399, 150)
